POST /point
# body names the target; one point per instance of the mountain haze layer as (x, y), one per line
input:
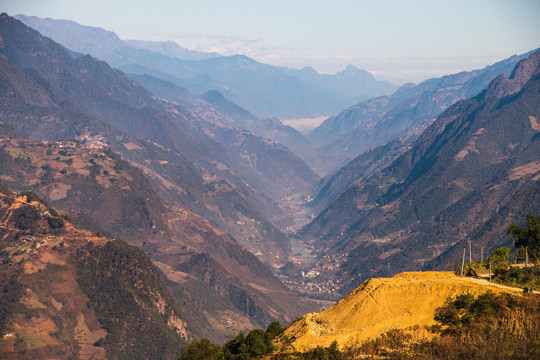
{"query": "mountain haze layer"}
(262, 89)
(213, 107)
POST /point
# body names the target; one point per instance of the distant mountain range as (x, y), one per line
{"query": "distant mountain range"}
(213, 107)
(101, 43)
(262, 89)
(467, 177)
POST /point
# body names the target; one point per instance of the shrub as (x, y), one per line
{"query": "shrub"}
(56, 222)
(201, 350)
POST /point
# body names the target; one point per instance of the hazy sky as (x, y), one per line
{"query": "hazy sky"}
(406, 40)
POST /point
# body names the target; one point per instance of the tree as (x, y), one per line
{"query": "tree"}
(447, 315)
(499, 258)
(333, 351)
(274, 329)
(201, 350)
(528, 236)
(259, 342)
(236, 349)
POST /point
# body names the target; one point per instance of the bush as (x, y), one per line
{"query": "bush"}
(56, 222)
(515, 276)
(447, 315)
(330, 353)
(26, 218)
(201, 350)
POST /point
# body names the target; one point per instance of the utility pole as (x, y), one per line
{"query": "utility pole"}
(463, 261)
(481, 253)
(489, 272)
(470, 252)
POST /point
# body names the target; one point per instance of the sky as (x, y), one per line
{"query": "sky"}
(396, 40)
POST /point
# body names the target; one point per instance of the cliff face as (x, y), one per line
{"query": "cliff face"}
(383, 304)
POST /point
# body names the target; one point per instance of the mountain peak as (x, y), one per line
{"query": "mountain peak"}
(170, 48)
(502, 86)
(353, 70)
(308, 70)
(214, 97)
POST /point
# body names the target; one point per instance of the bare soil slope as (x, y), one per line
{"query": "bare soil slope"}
(381, 304)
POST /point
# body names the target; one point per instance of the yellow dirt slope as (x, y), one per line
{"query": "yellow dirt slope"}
(382, 304)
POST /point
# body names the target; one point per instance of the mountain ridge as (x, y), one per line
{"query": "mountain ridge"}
(447, 185)
(376, 121)
(168, 233)
(405, 301)
(119, 198)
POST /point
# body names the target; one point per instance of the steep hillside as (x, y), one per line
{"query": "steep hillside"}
(476, 159)
(70, 293)
(407, 300)
(334, 184)
(270, 128)
(376, 121)
(199, 260)
(213, 107)
(178, 179)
